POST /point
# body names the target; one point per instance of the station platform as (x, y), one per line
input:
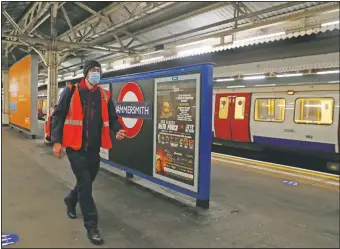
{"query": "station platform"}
(249, 207)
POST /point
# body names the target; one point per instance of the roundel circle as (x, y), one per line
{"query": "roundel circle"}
(131, 92)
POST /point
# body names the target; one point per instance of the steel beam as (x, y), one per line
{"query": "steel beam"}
(69, 23)
(106, 19)
(14, 24)
(60, 45)
(53, 62)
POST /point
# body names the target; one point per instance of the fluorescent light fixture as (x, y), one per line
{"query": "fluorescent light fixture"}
(266, 85)
(328, 72)
(259, 37)
(59, 75)
(289, 75)
(194, 50)
(223, 80)
(235, 86)
(121, 66)
(193, 43)
(154, 52)
(330, 23)
(255, 77)
(152, 59)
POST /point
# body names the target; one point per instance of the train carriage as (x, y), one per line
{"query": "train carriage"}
(298, 119)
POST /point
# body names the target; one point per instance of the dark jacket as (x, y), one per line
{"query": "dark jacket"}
(92, 121)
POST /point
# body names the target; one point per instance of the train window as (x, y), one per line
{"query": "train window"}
(314, 110)
(270, 110)
(240, 103)
(223, 108)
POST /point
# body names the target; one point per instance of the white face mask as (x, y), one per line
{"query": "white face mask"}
(94, 78)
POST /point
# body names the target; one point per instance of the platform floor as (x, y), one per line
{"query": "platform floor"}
(247, 209)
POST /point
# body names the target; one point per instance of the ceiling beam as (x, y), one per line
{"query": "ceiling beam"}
(69, 23)
(60, 45)
(231, 20)
(14, 24)
(165, 23)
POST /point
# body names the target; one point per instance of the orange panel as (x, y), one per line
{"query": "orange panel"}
(20, 93)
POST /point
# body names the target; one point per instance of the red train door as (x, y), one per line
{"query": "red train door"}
(222, 116)
(239, 117)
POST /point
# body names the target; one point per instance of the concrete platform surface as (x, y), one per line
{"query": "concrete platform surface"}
(247, 209)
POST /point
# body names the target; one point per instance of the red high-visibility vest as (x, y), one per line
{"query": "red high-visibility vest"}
(48, 126)
(73, 126)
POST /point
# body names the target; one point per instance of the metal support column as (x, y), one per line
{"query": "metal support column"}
(53, 62)
(52, 85)
(5, 82)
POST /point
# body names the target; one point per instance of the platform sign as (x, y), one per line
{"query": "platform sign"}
(167, 115)
(176, 130)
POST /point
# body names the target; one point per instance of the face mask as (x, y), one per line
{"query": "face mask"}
(94, 78)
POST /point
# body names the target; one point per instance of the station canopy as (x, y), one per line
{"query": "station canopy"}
(127, 34)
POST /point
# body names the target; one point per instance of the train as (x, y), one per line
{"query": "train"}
(297, 119)
(300, 119)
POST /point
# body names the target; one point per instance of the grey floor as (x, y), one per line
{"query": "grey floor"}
(247, 209)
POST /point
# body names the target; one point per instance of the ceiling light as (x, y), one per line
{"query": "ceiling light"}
(194, 50)
(328, 72)
(259, 37)
(235, 86)
(266, 85)
(154, 52)
(192, 43)
(223, 80)
(152, 59)
(255, 77)
(289, 75)
(330, 23)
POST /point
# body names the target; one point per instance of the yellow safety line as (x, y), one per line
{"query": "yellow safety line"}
(268, 165)
(282, 176)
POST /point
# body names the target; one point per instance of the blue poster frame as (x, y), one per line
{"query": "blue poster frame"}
(204, 178)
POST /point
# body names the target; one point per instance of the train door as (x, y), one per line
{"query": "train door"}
(222, 116)
(239, 117)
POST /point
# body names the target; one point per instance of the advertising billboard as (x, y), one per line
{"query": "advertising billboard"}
(176, 130)
(23, 78)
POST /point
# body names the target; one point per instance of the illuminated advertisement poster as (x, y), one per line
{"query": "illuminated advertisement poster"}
(176, 130)
(20, 94)
(104, 153)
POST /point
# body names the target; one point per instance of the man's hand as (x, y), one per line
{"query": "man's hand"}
(121, 134)
(57, 150)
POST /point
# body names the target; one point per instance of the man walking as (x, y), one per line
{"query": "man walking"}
(82, 122)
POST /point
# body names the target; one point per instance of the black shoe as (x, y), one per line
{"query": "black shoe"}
(71, 210)
(94, 236)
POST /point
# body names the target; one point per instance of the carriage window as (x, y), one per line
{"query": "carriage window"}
(270, 110)
(314, 110)
(240, 103)
(223, 108)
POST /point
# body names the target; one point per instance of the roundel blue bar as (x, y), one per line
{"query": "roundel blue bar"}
(8, 239)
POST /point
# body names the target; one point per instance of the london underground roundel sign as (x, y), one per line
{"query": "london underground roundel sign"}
(131, 109)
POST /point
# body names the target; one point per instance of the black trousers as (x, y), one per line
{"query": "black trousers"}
(85, 166)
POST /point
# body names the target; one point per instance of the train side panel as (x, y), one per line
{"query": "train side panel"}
(303, 121)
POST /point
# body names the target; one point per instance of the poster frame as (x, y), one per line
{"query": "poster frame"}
(175, 78)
